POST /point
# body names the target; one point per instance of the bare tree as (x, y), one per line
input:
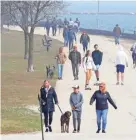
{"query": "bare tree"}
(27, 14)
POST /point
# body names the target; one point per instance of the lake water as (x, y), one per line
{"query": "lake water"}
(106, 22)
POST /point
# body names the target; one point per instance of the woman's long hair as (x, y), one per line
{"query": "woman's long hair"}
(88, 51)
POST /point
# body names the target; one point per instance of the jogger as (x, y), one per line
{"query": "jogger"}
(102, 96)
(76, 101)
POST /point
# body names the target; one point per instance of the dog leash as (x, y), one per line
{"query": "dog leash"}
(60, 109)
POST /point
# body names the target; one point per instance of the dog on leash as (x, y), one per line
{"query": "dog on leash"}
(50, 71)
(65, 119)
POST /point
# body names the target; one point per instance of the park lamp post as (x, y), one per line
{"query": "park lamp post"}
(98, 3)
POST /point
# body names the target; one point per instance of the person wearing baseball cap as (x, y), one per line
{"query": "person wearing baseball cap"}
(76, 102)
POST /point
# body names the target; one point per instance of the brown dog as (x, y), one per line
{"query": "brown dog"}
(65, 119)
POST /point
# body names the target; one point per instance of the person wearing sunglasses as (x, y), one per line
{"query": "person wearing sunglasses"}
(102, 96)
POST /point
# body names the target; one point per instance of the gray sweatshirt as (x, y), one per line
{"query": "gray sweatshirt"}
(76, 100)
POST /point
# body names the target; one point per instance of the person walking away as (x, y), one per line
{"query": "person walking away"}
(71, 38)
(117, 33)
(76, 102)
(60, 25)
(47, 26)
(78, 22)
(121, 62)
(54, 27)
(97, 59)
(75, 27)
(66, 23)
(101, 97)
(133, 49)
(75, 58)
(84, 40)
(61, 59)
(65, 36)
(48, 97)
(88, 65)
(71, 22)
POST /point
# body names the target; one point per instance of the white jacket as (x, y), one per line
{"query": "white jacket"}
(88, 63)
(121, 57)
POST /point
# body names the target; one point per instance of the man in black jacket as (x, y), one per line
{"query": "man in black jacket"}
(97, 58)
(48, 97)
(102, 96)
(75, 58)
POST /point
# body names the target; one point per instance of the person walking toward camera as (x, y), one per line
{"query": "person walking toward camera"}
(75, 58)
(88, 65)
(61, 59)
(48, 97)
(121, 62)
(133, 49)
(102, 96)
(97, 59)
(76, 102)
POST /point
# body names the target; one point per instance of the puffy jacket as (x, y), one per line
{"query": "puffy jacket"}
(48, 99)
(61, 58)
(84, 39)
(65, 33)
(101, 100)
(97, 57)
(75, 57)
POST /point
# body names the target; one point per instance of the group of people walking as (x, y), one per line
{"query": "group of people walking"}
(90, 62)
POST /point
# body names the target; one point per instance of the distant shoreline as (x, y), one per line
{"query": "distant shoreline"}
(101, 13)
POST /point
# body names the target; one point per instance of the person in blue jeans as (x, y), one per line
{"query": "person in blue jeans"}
(61, 58)
(102, 96)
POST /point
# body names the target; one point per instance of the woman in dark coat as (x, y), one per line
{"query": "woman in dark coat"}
(48, 98)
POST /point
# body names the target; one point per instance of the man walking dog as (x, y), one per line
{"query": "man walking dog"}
(76, 101)
(48, 97)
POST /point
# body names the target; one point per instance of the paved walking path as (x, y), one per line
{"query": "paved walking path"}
(121, 122)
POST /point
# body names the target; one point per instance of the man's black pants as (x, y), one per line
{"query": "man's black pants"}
(48, 117)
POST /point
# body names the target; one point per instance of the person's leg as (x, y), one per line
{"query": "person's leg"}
(47, 31)
(104, 119)
(50, 120)
(122, 78)
(122, 68)
(59, 71)
(77, 70)
(78, 120)
(83, 48)
(118, 72)
(74, 113)
(86, 80)
(73, 69)
(99, 115)
(116, 40)
(46, 120)
(89, 76)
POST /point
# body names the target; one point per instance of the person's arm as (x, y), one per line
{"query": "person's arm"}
(111, 101)
(70, 101)
(75, 36)
(126, 57)
(81, 38)
(69, 56)
(93, 98)
(40, 97)
(55, 96)
(88, 38)
(65, 57)
(80, 103)
(101, 55)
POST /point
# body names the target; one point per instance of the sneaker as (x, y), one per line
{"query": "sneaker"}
(74, 78)
(117, 83)
(77, 78)
(98, 131)
(78, 131)
(50, 129)
(47, 130)
(103, 131)
(122, 83)
(74, 131)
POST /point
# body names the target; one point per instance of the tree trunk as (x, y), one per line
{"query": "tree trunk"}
(30, 57)
(26, 44)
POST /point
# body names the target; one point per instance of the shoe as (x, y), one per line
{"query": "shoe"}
(96, 84)
(75, 78)
(78, 131)
(122, 83)
(47, 130)
(74, 131)
(50, 129)
(103, 131)
(117, 83)
(98, 131)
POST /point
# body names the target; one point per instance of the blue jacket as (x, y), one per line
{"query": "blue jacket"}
(47, 25)
(71, 35)
(97, 57)
(48, 99)
(65, 33)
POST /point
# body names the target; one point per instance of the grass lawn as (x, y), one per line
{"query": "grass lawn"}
(20, 88)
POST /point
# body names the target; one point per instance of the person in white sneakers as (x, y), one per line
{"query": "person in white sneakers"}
(88, 65)
(121, 62)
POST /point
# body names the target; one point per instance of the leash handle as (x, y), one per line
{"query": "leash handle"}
(60, 109)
